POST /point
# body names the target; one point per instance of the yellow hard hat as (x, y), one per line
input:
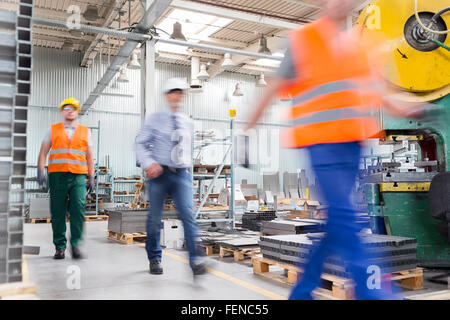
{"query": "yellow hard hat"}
(70, 101)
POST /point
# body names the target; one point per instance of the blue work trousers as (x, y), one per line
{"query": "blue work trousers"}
(336, 167)
(179, 186)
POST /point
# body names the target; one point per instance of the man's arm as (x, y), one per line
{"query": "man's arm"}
(90, 161)
(42, 159)
(45, 148)
(143, 152)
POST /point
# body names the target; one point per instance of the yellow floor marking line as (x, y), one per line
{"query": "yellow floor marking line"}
(239, 282)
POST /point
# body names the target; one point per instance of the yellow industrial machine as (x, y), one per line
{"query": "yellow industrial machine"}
(410, 192)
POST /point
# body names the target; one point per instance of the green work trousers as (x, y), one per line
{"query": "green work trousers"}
(67, 193)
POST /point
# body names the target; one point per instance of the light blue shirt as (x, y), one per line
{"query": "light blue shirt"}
(165, 138)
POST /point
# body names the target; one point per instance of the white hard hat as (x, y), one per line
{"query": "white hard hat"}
(175, 83)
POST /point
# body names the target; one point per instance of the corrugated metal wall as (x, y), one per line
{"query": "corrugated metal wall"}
(57, 75)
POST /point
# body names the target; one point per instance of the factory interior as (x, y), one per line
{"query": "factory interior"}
(257, 210)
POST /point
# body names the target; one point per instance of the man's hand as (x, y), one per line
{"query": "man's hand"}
(91, 184)
(154, 171)
(41, 177)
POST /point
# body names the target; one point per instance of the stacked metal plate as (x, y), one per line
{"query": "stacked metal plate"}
(389, 253)
(253, 220)
(127, 221)
(279, 227)
(240, 243)
(15, 76)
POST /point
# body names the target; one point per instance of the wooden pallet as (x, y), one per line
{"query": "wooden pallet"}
(210, 250)
(17, 289)
(96, 217)
(239, 255)
(127, 238)
(332, 287)
(39, 220)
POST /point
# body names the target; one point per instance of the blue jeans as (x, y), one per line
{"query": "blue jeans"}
(179, 187)
(336, 166)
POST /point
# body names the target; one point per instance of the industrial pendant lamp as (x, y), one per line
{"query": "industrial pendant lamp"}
(123, 78)
(177, 34)
(261, 82)
(134, 63)
(227, 62)
(91, 13)
(203, 75)
(237, 91)
(263, 46)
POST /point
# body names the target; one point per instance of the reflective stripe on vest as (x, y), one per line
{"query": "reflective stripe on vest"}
(324, 89)
(59, 151)
(333, 115)
(69, 161)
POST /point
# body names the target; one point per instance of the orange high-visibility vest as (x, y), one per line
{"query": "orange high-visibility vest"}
(68, 155)
(335, 97)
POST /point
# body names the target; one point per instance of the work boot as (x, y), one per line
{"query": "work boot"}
(76, 253)
(59, 254)
(155, 267)
(199, 268)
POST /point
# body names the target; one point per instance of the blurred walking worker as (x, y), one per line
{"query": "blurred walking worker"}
(334, 93)
(164, 151)
(70, 147)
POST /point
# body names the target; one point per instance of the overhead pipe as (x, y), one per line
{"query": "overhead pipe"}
(145, 37)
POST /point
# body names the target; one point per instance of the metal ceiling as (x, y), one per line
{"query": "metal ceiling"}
(239, 34)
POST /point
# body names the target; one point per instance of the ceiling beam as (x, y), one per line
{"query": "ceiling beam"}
(233, 14)
(156, 9)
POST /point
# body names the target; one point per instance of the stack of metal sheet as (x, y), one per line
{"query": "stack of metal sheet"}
(279, 227)
(389, 253)
(240, 243)
(127, 221)
(254, 220)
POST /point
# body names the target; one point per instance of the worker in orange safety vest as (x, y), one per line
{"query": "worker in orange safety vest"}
(336, 98)
(70, 161)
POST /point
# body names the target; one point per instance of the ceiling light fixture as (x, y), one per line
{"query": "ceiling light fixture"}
(177, 33)
(203, 74)
(263, 46)
(261, 82)
(227, 62)
(91, 13)
(134, 62)
(123, 78)
(237, 91)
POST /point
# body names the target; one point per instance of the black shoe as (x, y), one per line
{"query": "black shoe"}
(199, 269)
(59, 254)
(76, 253)
(155, 267)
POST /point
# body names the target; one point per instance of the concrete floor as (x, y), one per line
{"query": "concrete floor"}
(116, 271)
